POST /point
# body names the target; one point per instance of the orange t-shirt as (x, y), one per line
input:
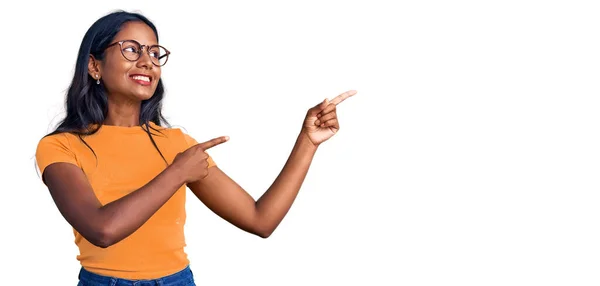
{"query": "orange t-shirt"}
(125, 161)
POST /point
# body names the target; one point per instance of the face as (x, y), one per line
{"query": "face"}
(124, 79)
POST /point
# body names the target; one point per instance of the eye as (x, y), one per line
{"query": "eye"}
(130, 49)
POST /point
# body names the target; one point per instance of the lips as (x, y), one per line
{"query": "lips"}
(141, 79)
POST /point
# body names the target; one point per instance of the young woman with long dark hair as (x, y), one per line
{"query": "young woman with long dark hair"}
(119, 176)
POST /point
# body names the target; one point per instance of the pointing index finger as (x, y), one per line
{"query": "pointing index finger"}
(338, 99)
(213, 142)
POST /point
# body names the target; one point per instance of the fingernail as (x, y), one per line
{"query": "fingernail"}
(317, 122)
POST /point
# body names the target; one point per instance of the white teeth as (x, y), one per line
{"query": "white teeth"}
(143, 78)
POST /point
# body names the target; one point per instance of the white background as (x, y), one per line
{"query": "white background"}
(469, 156)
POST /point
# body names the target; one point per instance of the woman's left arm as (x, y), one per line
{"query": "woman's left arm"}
(230, 201)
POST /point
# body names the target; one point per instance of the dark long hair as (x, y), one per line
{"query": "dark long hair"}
(87, 102)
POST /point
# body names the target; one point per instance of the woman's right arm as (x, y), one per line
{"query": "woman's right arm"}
(106, 225)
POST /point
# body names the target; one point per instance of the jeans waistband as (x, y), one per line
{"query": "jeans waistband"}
(181, 278)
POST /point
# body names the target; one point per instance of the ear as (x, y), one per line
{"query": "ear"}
(94, 69)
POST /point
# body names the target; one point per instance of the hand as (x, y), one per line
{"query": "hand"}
(192, 163)
(321, 121)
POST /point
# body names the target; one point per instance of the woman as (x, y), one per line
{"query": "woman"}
(119, 177)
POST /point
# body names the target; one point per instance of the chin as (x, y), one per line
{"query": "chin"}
(144, 96)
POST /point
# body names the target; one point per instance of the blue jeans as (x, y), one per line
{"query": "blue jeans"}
(181, 278)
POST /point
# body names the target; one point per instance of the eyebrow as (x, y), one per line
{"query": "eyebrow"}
(130, 39)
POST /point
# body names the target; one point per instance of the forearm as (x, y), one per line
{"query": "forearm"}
(124, 216)
(274, 204)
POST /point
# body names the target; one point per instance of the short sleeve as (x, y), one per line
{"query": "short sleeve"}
(191, 142)
(54, 149)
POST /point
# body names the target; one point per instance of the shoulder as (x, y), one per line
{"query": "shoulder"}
(55, 148)
(50, 143)
(184, 139)
(175, 134)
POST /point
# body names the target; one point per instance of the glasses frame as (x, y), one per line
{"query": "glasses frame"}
(148, 47)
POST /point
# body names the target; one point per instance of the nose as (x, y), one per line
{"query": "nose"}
(144, 61)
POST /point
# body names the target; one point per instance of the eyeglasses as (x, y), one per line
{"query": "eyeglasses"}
(132, 51)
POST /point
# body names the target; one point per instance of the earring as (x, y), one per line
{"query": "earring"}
(97, 79)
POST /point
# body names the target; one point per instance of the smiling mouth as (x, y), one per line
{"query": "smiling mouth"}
(141, 79)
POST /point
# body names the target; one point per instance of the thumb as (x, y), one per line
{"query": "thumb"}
(319, 107)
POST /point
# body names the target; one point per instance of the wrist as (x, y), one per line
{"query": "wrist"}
(175, 172)
(304, 142)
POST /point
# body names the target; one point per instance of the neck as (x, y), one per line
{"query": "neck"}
(123, 112)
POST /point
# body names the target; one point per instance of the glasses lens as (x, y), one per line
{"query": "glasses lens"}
(159, 55)
(131, 50)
